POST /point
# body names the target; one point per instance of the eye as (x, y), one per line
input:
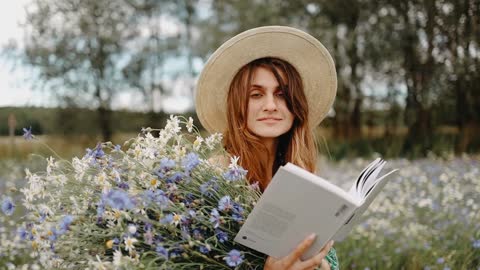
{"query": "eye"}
(255, 94)
(280, 94)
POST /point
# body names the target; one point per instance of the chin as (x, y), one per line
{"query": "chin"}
(270, 134)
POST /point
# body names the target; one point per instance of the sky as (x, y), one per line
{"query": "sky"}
(16, 90)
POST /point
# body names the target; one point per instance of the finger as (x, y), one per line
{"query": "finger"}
(317, 259)
(324, 265)
(300, 249)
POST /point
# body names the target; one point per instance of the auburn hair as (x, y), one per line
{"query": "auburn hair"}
(296, 146)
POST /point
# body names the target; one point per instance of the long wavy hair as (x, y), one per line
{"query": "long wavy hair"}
(296, 146)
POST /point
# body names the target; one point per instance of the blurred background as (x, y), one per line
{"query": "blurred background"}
(85, 71)
(82, 71)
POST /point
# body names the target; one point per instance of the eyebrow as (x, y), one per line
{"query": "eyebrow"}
(261, 87)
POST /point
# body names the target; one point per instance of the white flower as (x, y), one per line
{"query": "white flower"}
(132, 229)
(197, 143)
(190, 124)
(172, 125)
(233, 162)
(117, 258)
(129, 241)
(213, 140)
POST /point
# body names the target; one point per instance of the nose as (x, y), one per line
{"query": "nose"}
(270, 103)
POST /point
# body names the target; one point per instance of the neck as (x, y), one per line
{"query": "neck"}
(269, 156)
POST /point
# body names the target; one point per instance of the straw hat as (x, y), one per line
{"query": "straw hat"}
(304, 52)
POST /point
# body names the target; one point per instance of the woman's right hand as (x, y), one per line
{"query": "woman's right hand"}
(293, 262)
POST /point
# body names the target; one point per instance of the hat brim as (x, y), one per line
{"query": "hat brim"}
(309, 57)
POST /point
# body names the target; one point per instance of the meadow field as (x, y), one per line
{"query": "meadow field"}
(428, 216)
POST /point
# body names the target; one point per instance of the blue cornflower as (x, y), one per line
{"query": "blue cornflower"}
(53, 234)
(8, 207)
(221, 235)
(22, 233)
(65, 224)
(207, 188)
(234, 258)
(97, 152)
(168, 219)
(117, 148)
(166, 164)
(476, 243)
(158, 197)
(162, 251)
(198, 234)
(215, 218)
(176, 177)
(118, 199)
(225, 203)
(123, 185)
(43, 215)
(440, 260)
(176, 251)
(189, 162)
(235, 173)
(204, 249)
(27, 133)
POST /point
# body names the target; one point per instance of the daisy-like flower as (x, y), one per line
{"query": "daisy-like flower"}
(129, 243)
(176, 219)
(234, 258)
(172, 125)
(197, 143)
(190, 124)
(8, 207)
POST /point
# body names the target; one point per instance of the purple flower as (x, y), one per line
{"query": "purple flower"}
(225, 203)
(168, 219)
(176, 177)
(27, 133)
(117, 147)
(204, 249)
(162, 251)
(158, 197)
(166, 164)
(215, 218)
(22, 233)
(476, 243)
(234, 258)
(8, 207)
(97, 152)
(221, 235)
(440, 260)
(235, 173)
(190, 161)
(65, 224)
(207, 187)
(118, 199)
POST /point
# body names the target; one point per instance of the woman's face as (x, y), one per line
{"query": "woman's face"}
(268, 116)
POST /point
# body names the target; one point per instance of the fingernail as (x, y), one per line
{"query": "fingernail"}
(331, 242)
(312, 236)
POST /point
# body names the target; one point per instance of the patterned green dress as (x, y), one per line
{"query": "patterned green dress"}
(332, 259)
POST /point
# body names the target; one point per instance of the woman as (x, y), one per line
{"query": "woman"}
(266, 89)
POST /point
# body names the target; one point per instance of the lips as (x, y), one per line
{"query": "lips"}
(269, 119)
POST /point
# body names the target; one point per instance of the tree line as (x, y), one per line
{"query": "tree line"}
(416, 61)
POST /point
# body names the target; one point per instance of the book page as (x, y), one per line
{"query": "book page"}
(294, 205)
(356, 216)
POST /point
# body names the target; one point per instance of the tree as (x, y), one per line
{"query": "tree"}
(76, 47)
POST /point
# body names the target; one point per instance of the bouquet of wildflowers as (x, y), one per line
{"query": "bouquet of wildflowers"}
(157, 202)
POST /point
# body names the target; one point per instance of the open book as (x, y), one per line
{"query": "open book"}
(297, 203)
